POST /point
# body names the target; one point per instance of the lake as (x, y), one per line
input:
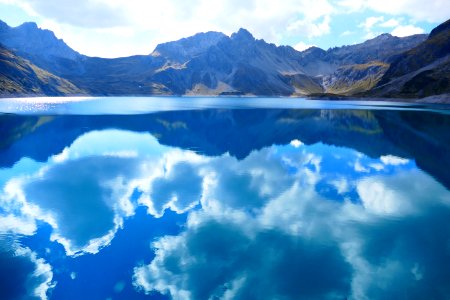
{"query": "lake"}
(223, 198)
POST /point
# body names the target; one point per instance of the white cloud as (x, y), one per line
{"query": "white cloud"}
(257, 178)
(358, 167)
(71, 205)
(25, 275)
(97, 14)
(351, 5)
(11, 223)
(301, 46)
(400, 194)
(390, 23)
(347, 33)
(342, 185)
(360, 241)
(393, 160)
(240, 254)
(377, 166)
(86, 210)
(430, 11)
(179, 189)
(296, 143)
(370, 22)
(406, 30)
(43, 274)
(108, 165)
(373, 25)
(381, 199)
(370, 35)
(310, 29)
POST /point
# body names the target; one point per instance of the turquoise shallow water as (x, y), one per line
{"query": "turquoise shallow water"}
(230, 198)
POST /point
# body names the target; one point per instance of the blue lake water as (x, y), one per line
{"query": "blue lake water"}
(223, 198)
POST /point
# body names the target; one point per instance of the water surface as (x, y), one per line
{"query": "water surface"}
(199, 198)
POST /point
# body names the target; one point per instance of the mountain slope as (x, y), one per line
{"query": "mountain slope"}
(19, 76)
(238, 64)
(379, 49)
(421, 71)
(356, 69)
(41, 47)
(27, 39)
(185, 49)
(354, 79)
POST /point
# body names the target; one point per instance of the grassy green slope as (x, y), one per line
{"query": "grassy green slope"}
(354, 79)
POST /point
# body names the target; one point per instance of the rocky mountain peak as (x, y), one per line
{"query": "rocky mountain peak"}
(189, 47)
(441, 28)
(29, 26)
(378, 40)
(30, 40)
(3, 26)
(384, 36)
(242, 34)
(314, 51)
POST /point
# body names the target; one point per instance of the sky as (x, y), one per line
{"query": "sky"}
(116, 28)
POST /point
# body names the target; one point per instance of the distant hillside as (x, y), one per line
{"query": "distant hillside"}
(213, 63)
(379, 49)
(421, 71)
(354, 79)
(20, 77)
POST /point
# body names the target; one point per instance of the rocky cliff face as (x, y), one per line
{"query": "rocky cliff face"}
(41, 47)
(20, 77)
(421, 71)
(185, 49)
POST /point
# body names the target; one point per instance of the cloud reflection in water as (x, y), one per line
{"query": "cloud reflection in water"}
(263, 227)
(22, 274)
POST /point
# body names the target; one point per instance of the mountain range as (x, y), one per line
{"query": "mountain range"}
(34, 61)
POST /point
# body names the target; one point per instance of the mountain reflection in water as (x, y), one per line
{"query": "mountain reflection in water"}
(226, 204)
